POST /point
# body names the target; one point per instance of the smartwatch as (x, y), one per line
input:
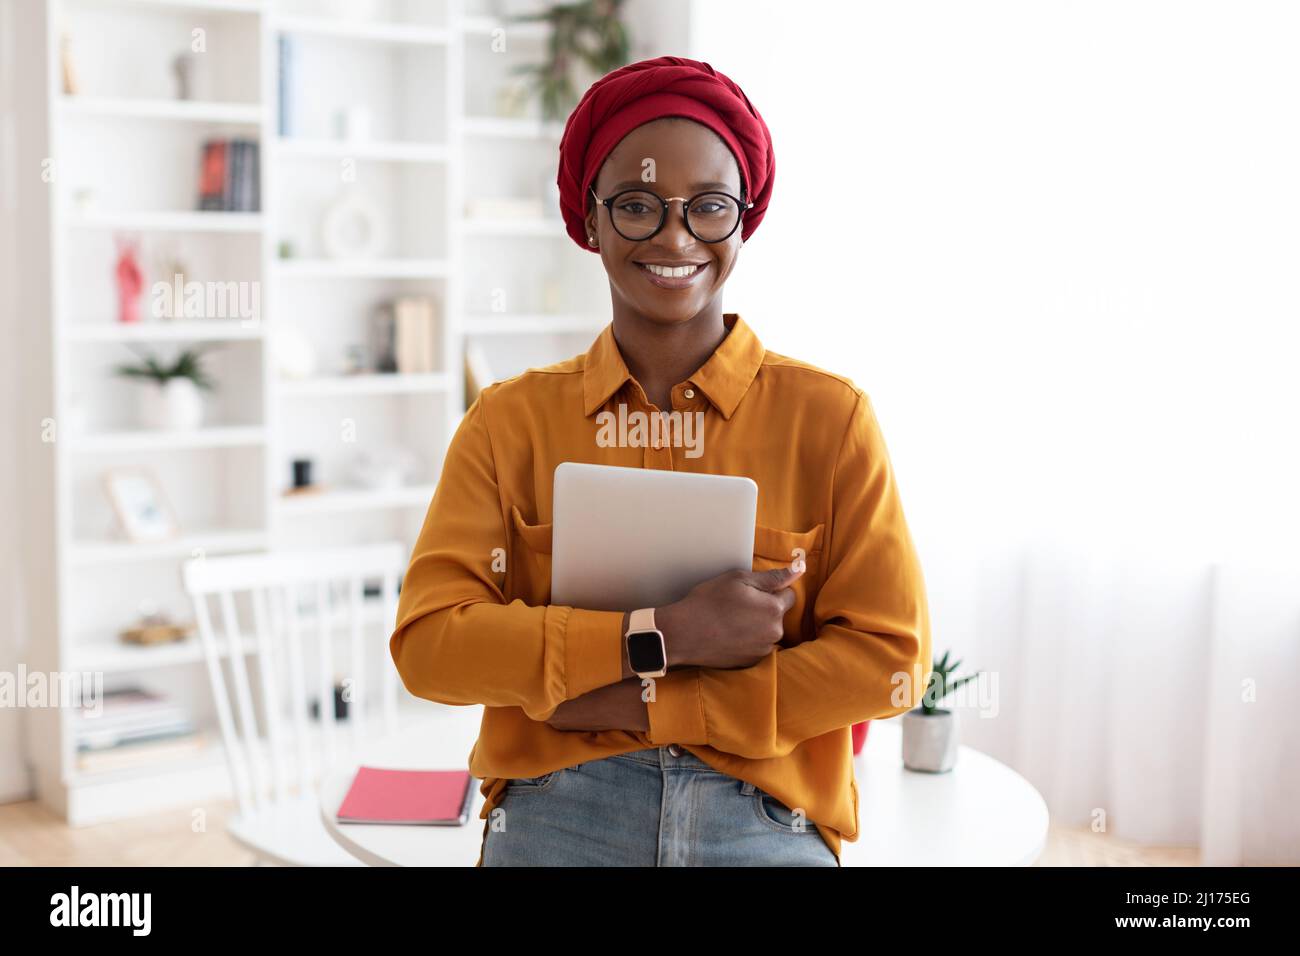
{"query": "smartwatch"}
(646, 654)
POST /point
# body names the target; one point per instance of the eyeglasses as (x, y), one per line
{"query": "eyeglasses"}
(638, 214)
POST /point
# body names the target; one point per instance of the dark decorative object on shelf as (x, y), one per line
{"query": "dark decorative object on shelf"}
(340, 705)
(303, 483)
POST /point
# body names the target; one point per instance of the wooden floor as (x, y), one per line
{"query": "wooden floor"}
(30, 835)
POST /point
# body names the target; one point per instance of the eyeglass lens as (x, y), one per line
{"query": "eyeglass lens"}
(711, 216)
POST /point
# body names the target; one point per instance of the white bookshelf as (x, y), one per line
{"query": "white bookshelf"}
(425, 70)
(249, 114)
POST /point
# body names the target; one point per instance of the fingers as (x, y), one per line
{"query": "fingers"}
(773, 580)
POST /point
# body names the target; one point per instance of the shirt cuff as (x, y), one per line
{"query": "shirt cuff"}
(593, 650)
(677, 711)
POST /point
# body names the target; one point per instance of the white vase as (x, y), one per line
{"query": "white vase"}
(175, 405)
(930, 740)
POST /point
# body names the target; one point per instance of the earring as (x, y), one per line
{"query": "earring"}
(591, 240)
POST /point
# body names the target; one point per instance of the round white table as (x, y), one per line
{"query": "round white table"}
(981, 813)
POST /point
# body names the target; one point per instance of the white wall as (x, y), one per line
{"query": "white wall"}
(1056, 243)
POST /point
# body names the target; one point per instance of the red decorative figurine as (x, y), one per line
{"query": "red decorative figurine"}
(130, 281)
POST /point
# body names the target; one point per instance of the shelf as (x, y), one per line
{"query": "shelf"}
(524, 228)
(358, 499)
(216, 6)
(388, 151)
(191, 111)
(503, 127)
(186, 546)
(162, 439)
(370, 30)
(181, 330)
(168, 221)
(363, 268)
(368, 384)
(111, 656)
(536, 324)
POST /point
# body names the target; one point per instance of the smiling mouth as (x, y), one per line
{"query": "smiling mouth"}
(672, 277)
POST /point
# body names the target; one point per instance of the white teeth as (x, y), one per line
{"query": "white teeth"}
(680, 272)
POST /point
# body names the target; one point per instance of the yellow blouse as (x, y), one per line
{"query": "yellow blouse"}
(474, 625)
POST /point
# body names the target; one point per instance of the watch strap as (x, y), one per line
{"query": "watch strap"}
(642, 620)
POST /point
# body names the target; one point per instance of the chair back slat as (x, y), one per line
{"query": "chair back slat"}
(388, 611)
(267, 670)
(235, 762)
(298, 686)
(360, 700)
(325, 659)
(269, 676)
(249, 738)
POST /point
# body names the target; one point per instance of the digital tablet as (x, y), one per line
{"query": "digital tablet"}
(627, 538)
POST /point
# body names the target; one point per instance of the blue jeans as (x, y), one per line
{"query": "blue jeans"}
(647, 808)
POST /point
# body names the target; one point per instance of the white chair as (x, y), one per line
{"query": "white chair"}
(301, 607)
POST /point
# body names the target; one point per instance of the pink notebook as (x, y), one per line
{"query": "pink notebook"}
(429, 797)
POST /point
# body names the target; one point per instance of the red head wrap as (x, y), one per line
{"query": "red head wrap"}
(620, 101)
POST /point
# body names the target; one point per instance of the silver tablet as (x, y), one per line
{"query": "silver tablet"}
(628, 538)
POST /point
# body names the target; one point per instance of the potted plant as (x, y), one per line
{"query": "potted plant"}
(171, 398)
(589, 32)
(929, 731)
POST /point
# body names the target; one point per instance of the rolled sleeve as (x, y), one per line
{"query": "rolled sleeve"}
(593, 648)
(677, 711)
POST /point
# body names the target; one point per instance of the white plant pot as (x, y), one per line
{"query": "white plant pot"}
(176, 405)
(930, 741)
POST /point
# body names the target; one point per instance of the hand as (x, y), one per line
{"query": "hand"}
(612, 707)
(733, 620)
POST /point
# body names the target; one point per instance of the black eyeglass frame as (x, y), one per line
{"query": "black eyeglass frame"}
(608, 203)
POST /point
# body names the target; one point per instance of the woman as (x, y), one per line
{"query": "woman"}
(740, 754)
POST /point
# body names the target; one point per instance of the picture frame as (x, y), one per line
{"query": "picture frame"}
(142, 508)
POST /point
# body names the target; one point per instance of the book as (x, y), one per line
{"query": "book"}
(255, 176)
(212, 175)
(229, 175)
(129, 714)
(383, 339)
(140, 754)
(232, 174)
(418, 797)
(417, 350)
(284, 89)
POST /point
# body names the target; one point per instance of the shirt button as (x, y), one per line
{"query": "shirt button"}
(689, 393)
(675, 750)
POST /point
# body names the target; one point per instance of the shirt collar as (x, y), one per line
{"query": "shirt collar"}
(724, 377)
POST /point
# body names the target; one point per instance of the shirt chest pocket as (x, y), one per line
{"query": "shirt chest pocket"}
(529, 572)
(528, 576)
(775, 548)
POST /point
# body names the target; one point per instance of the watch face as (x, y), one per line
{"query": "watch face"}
(645, 651)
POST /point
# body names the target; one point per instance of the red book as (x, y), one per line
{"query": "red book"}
(430, 797)
(212, 175)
